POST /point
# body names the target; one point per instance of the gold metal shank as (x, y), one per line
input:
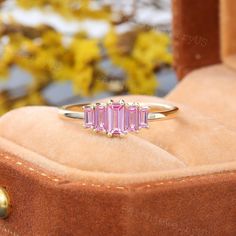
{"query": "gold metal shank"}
(157, 111)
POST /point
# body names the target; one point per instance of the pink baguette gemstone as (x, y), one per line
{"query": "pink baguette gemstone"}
(116, 118)
(143, 117)
(132, 118)
(101, 118)
(89, 121)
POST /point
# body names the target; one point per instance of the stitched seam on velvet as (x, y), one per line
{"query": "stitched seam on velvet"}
(30, 168)
(124, 187)
(42, 174)
(7, 230)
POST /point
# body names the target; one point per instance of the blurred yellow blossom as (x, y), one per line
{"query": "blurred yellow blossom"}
(150, 50)
(69, 8)
(86, 51)
(41, 51)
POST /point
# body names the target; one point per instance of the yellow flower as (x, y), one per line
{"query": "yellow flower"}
(110, 42)
(35, 98)
(9, 54)
(152, 49)
(70, 8)
(85, 51)
(83, 80)
(63, 72)
(141, 81)
(20, 103)
(51, 38)
(3, 110)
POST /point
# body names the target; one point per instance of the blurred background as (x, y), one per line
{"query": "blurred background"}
(54, 52)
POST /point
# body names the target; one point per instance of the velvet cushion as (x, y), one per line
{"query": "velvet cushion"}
(211, 91)
(200, 140)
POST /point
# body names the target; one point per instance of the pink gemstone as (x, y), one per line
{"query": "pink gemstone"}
(132, 118)
(101, 118)
(116, 117)
(143, 117)
(89, 117)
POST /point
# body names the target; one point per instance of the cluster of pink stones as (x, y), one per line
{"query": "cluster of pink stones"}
(115, 118)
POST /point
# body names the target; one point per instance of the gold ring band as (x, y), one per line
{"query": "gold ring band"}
(157, 111)
(118, 118)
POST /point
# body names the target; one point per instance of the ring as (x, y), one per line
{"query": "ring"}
(118, 118)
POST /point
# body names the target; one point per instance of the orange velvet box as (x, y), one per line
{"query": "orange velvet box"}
(177, 178)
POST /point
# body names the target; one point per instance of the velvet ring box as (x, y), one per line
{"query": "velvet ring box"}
(178, 178)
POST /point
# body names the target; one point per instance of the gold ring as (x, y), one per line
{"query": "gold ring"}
(118, 118)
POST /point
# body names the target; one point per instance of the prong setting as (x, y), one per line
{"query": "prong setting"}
(122, 102)
(115, 118)
(110, 102)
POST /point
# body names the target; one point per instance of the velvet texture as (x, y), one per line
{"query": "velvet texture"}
(116, 205)
(195, 34)
(228, 33)
(188, 143)
(179, 178)
(46, 205)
